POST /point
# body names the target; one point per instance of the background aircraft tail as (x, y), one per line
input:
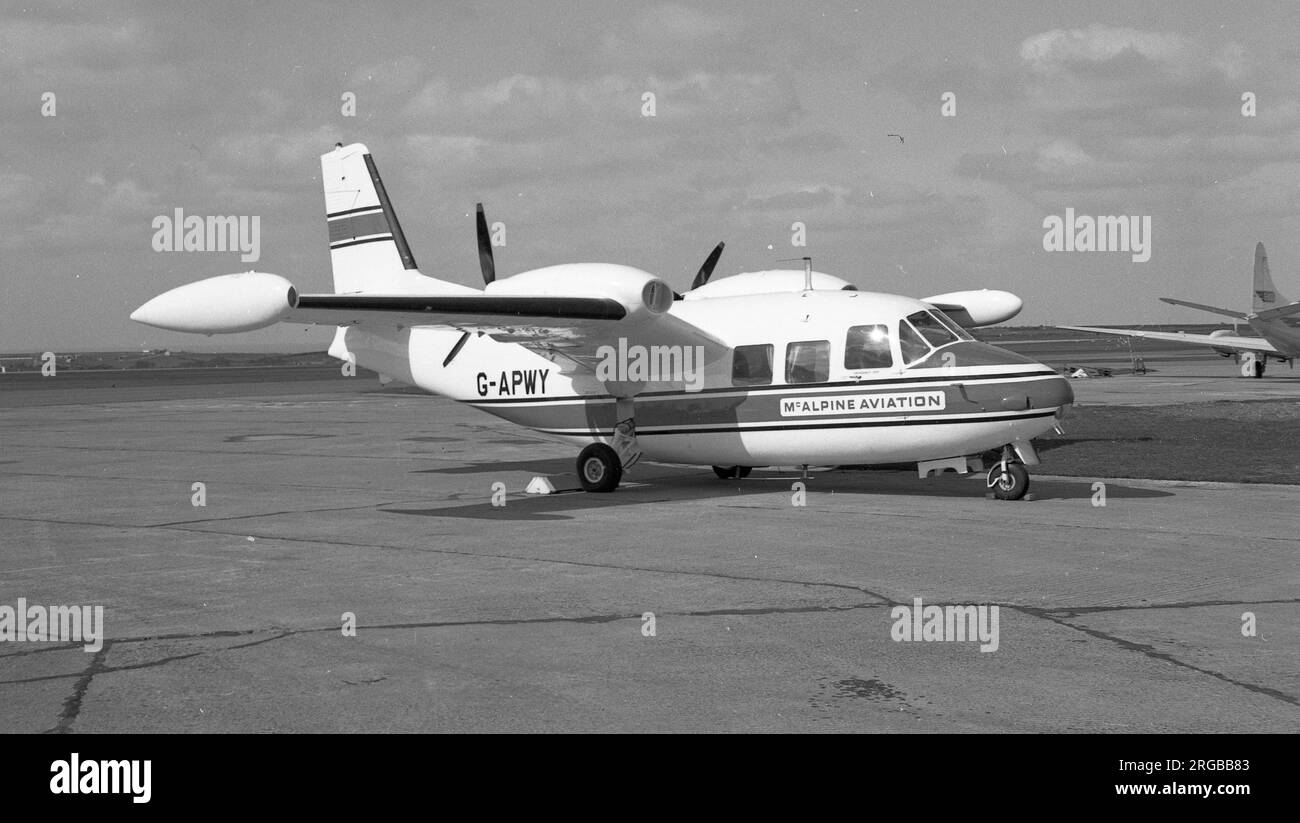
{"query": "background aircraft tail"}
(1266, 296)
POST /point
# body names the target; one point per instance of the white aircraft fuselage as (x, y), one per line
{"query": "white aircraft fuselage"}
(963, 398)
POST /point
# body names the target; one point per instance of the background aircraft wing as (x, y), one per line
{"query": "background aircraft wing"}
(1222, 341)
(1174, 301)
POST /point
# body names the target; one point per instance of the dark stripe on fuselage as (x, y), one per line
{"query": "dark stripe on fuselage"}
(741, 410)
(859, 424)
(783, 387)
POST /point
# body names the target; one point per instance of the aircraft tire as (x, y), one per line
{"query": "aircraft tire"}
(599, 469)
(1011, 487)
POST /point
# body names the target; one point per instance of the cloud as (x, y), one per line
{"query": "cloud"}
(1063, 50)
(33, 44)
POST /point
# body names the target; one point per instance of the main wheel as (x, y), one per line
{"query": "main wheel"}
(599, 469)
(1259, 367)
(1009, 486)
(729, 472)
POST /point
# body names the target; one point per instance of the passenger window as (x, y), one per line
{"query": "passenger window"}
(931, 329)
(808, 361)
(911, 344)
(867, 347)
(752, 365)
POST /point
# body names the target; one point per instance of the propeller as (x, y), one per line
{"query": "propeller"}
(706, 271)
(485, 261)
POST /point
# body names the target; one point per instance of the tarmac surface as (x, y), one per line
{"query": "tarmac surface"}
(328, 496)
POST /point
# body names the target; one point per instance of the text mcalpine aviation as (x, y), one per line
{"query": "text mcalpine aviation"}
(514, 383)
(912, 401)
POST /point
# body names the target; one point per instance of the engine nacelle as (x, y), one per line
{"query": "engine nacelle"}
(982, 307)
(639, 291)
(221, 305)
(1223, 352)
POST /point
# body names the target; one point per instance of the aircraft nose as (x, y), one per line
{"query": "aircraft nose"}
(1055, 392)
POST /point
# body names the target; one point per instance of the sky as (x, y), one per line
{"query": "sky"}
(765, 114)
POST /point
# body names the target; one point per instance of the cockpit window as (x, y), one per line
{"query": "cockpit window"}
(911, 344)
(867, 347)
(935, 333)
(808, 361)
(952, 325)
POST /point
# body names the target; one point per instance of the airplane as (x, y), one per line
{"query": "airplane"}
(1277, 325)
(768, 368)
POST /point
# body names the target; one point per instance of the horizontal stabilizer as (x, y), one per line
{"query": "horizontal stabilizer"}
(1280, 311)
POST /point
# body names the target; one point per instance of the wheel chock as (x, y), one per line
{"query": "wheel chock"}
(540, 485)
(553, 483)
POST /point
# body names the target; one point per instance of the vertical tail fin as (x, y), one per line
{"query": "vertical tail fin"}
(1266, 296)
(367, 247)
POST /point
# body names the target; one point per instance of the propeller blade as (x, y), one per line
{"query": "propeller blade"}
(706, 271)
(485, 261)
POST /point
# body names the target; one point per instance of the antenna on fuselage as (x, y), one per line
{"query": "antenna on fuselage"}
(807, 270)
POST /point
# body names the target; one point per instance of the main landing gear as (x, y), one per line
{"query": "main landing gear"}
(600, 467)
(1009, 479)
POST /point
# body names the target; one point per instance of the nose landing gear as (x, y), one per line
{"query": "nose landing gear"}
(1009, 479)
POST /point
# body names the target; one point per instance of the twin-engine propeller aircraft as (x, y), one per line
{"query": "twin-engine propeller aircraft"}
(1276, 319)
(771, 368)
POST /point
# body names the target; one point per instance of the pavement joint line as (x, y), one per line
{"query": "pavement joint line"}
(1153, 653)
(97, 666)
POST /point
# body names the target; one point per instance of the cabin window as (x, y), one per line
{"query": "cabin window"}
(935, 333)
(911, 344)
(952, 325)
(808, 361)
(752, 365)
(867, 347)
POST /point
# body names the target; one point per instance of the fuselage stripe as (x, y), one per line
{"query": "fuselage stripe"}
(796, 388)
(915, 421)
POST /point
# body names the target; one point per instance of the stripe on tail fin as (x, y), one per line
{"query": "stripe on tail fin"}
(1266, 295)
(368, 250)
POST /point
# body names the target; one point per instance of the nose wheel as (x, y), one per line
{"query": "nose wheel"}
(1009, 479)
